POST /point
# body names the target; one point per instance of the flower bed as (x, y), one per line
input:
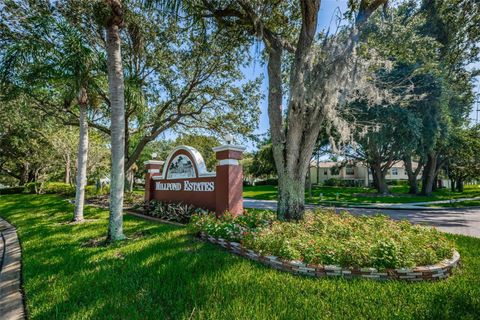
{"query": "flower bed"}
(326, 243)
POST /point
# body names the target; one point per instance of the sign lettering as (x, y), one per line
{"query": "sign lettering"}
(186, 186)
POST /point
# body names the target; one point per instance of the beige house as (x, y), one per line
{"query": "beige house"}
(357, 172)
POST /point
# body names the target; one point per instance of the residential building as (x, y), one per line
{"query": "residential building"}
(351, 171)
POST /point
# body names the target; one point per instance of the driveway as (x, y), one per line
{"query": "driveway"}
(462, 221)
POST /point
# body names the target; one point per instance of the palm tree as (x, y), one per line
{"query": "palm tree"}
(54, 65)
(116, 89)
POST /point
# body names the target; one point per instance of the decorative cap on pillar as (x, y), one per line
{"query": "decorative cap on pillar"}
(154, 162)
(229, 154)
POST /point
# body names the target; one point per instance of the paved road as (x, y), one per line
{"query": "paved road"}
(458, 221)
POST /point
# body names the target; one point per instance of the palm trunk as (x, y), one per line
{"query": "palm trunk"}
(81, 165)
(117, 103)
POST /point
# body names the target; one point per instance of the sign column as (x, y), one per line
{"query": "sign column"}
(229, 179)
(152, 168)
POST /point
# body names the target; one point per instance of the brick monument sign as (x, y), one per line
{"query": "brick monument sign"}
(183, 177)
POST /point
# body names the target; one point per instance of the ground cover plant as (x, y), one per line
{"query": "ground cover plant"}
(360, 195)
(163, 272)
(327, 238)
(169, 211)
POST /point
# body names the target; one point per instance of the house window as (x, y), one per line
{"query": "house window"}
(334, 171)
(325, 172)
(394, 171)
(349, 171)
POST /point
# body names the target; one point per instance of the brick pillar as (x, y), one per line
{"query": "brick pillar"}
(152, 168)
(229, 179)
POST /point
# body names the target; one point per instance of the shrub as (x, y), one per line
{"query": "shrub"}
(335, 182)
(60, 188)
(267, 182)
(229, 227)
(171, 211)
(325, 237)
(12, 190)
(32, 187)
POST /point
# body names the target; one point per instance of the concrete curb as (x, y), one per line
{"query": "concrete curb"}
(11, 299)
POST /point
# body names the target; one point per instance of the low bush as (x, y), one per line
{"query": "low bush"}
(336, 182)
(171, 211)
(325, 238)
(230, 227)
(12, 190)
(60, 188)
(267, 182)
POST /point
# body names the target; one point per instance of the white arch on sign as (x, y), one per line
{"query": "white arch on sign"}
(197, 159)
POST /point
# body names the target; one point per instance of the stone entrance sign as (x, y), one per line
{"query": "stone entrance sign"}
(183, 177)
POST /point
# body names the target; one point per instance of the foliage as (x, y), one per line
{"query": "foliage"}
(267, 182)
(12, 190)
(204, 145)
(171, 211)
(230, 227)
(464, 155)
(336, 182)
(327, 238)
(263, 164)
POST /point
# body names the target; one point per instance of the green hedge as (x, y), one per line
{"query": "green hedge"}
(11, 190)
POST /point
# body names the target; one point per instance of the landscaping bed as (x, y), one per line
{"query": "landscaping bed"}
(326, 243)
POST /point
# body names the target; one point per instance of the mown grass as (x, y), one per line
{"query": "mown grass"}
(358, 195)
(456, 204)
(162, 272)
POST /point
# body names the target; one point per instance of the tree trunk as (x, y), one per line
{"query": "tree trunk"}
(452, 185)
(309, 184)
(412, 175)
(291, 199)
(435, 183)
(117, 127)
(429, 174)
(24, 175)
(459, 185)
(381, 182)
(81, 163)
(67, 164)
(374, 178)
(130, 179)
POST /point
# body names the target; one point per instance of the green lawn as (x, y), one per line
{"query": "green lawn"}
(342, 195)
(459, 204)
(165, 273)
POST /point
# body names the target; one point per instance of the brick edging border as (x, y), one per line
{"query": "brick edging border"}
(441, 270)
(11, 298)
